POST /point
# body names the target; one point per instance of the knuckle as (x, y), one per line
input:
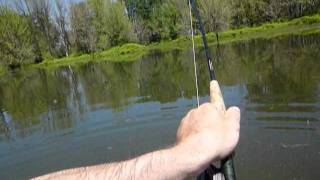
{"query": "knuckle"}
(189, 113)
(207, 106)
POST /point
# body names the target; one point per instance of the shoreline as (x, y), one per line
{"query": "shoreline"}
(305, 25)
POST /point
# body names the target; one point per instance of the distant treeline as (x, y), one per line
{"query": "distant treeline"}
(34, 30)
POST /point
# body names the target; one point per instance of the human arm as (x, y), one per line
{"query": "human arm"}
(206, 134)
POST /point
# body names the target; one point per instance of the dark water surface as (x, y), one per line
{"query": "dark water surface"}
(102, 112)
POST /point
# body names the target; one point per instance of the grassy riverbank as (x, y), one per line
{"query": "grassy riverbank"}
(127, 52)
(130, 52)
(300, 26)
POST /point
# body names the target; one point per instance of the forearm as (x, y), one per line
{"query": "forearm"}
(164, 164)
(205, 135)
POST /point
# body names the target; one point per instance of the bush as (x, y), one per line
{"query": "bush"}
(164, 22)
(255, 12)
(15, 44)
(118, 26)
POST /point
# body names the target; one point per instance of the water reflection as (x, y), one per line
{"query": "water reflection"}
(276, 83)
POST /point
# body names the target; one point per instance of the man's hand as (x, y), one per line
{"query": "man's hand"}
(205, 135)
(208, 134)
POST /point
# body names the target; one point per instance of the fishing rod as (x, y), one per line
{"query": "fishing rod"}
(227, 166)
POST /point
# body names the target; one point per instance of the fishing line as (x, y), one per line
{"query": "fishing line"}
(194, 55)
(226, 171)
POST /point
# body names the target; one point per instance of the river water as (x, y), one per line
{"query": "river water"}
(103, 112)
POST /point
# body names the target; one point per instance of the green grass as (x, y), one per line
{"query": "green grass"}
(131, 52)
(301, 26)
(306, 20)
(127, 52)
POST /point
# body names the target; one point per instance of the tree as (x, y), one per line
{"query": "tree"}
(34, 30)
(255, 12)
(142, 8)
(23, 9)
(118, 26)
(61, 20)
(83, 33)
(40, 12)
(216, 14)
(184, 17)
(15, 44)
(165, 21)
(141, 13)
(99, 22)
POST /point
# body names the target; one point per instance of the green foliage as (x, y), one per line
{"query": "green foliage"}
(118, 27)
(255, 12)
(307, 20)
(44, 31)
(272, 75)
(165, 21)
(127, 52)
(15, 45)
(182, 7)
(216, 14)
(99, 25)
(99, 22)
(131, 52)
(155, 20)
(33, 30)
(142, 8)
(2, 70)
(82, 30)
